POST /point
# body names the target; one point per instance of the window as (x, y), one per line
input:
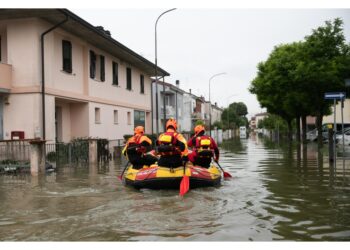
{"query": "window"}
(128, 79)
(115, 116)
(139, 118)
(142, 84)
(115, 73)
(97, 115)
(67, 56)
(129, 118)
(102, 68)
(97, 66)
(92, 64)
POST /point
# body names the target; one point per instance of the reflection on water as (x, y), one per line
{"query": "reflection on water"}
(278, 192)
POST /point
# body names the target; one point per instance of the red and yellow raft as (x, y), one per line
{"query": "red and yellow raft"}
(157, 177)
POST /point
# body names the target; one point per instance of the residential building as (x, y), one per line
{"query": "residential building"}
(170, 100)
(189, 107)
(252, 123)
(89, 84)
(215, 113)
(338, 116)
(259, 117)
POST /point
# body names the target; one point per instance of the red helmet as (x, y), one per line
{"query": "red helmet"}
(139, 130)
(171, 123)
(198, 129)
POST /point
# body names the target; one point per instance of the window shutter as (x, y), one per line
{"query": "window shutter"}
(128, 78)
(67, 56)
(115, 73)
(102, 58)
(92, 64)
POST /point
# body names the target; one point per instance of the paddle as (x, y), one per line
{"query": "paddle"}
(185, 182)
(226, 174)
(121, 175)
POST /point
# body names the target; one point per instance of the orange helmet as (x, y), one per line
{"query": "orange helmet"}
(198, 129)
(171, 123)
(139, 130)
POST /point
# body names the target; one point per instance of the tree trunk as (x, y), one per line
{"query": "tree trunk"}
(303, 125)
(319, 118)
(289, 130)
(297, 122)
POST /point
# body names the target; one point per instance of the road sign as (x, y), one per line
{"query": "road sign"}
(334, 95)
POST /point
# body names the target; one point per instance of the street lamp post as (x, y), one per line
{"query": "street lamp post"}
(223, 73)
(155, 70)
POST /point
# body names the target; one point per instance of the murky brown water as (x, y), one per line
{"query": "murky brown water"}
(273, 196)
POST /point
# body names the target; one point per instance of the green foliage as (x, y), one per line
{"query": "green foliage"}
(292, 81)
(6, 162)
(272, 122)
(217, 124)
(234, 115)
(75, 151)
(199, 122)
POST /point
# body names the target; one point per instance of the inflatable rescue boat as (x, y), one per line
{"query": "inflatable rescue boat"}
(157, 177)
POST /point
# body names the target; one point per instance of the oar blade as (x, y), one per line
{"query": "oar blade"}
(227, 175)
(184, 185)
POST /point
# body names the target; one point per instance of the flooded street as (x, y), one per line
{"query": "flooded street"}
(272, 196)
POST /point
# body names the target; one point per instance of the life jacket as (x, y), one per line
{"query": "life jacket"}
(134, 145)
(204, 146)
(167, 144)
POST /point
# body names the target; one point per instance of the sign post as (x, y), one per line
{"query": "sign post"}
(336, 96)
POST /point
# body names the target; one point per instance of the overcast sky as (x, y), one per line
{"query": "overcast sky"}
(195, 44)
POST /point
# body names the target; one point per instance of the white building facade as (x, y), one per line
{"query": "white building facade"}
(94, 86)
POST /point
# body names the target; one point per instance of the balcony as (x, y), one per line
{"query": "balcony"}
(5, 77)
(197, 115)
(169, 112)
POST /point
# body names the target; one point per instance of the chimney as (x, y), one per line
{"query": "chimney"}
(178, 83)
(216, 104)
(106, 32)
(190, 91)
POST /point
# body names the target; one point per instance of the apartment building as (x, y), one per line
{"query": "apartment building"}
(87, 83)
(170, 104)
(215, 112)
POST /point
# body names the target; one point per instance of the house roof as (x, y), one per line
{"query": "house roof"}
(172, 86)
(86, 31)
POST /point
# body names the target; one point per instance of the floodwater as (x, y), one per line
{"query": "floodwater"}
(276, 193)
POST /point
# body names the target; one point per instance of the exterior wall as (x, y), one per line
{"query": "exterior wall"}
(5, 77)
(22, 51)
(106, 128)
(56, 77)
(21, 114)
(188, 107)
(216, 114)
(176, 102)
(258, 118)
(346, 113)
(3, 45)
(79, 116)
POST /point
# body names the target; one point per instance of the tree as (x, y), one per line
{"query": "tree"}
(325, 66)
(275, 85)
(291, 83)
(235, 114)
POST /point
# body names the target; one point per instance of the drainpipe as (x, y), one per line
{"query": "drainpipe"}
(43, 74)
(152, 109)
(164, 107)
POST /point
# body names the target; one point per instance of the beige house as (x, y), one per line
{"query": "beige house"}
(89, 84)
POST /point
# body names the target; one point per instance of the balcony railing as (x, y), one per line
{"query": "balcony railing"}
(169, 111)
(5, 76)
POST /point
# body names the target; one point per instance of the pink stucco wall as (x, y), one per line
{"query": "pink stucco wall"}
(75, 93)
